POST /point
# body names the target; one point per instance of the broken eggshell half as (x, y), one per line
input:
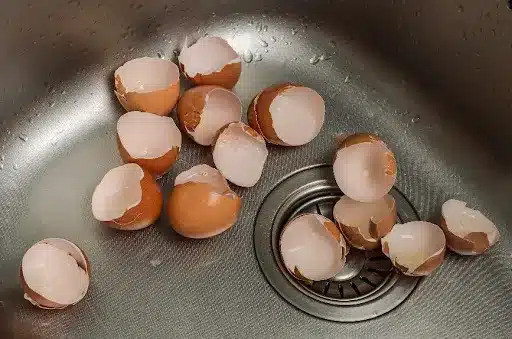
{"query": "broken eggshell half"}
(240, 154)
(148, 85)
(149, 140)
(312, 248)
(364, 167)
(364, 223)
(127, 198)
(415, 248)
(211, 61)
(201, 204)
(55, 273)
(468, 231)
(287, 114)
(204, 110)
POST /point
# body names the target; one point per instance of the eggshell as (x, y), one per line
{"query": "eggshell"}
(415, 248)
(240, 154)
(287, 114)
(148, 85)
(312, 248)
(127, 198)
(151, 141)
(54, 273)
(204, 110)
(364, 167)
(201, 204)
(467, 231)
(364, 223)
(211, 61)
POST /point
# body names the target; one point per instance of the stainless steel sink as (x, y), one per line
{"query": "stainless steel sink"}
(432, 78)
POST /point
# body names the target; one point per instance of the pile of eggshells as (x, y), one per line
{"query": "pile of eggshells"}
(55, 272)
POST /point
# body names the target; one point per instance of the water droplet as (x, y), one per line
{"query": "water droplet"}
(263, 43)
(155, 262)
(324, 57)
(332, 43)
(265, 28)
(415, 119)
(347, 79)
(258, 57)
(23, 137)
(248, 56)
(161, 55)
(1, 166)
(251, 23)
(266, 50)
(15, 166)
(259, 27)
(51, 104)
(294, 31)
(460, 9)
(273, 39)
(2, 158)
(314, 59)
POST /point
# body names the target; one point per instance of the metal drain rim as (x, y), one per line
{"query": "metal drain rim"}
(285, 192)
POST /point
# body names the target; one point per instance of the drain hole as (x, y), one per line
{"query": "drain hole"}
(354, 286)
(318, 209)
(366, 280)
(340, 289)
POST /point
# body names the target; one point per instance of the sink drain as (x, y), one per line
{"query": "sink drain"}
(366, 288)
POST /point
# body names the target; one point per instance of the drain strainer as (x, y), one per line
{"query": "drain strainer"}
(366, 288)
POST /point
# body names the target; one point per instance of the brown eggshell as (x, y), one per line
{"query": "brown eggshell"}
(227, 77)
(191, 106)
(476, 242)
(146, 212)
(157, 167)
(193, 215)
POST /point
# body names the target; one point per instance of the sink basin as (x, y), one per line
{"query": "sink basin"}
(430, 78)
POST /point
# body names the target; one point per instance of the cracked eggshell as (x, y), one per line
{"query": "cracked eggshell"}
(364, 167)
(149, 140)
(211, 61)
(312, 248)
(148, 85)
(467, 231)
(415, 248)
(204, 110)
(364, 223)
(287, 114)
(240, 153)
(55, 273)
(127, 198)
(201, 204)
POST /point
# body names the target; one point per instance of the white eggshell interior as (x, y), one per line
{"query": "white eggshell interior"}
(203, 174)
(208, 55)
(307, 245)
(221, 107)
(147, 74)
(146, 135)
(360, 171)
(298, 115)
(413, 243)
(54, 274)
(461, 220)
(118, 191)
(239, 156)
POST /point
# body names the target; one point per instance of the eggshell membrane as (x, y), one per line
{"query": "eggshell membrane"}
(240, 154)
(211, 61)
(312, 248)
(363, 224)
(151, 141)
(416, 248)
(127, 198)
(148, 85)
(287, 114)
(467, 231)
(204, 110)
(57, 262)
(364, 167)
(202, 205)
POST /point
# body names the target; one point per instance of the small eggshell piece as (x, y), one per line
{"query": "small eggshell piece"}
(468, 231)
(204, 110)
(415, 248)
(240, 154)
(312, 248)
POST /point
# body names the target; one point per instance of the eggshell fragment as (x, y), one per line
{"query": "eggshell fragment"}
(211, 61)
(287, 114)
(127, 198)
(54, 273)
(204, 110)
(240, 154)
(149, 140)
(312, 248)
(415, 248)
(364, 223)
(201, 204)
(467, 231)
(148, 85)
(364, 167)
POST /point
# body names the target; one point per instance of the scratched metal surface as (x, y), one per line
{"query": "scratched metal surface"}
(431, 78)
